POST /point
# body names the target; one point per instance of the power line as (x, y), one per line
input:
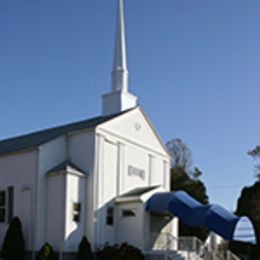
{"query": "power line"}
(224, 187)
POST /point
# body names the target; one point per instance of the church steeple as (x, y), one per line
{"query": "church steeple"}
(120, 73)
(119, 99)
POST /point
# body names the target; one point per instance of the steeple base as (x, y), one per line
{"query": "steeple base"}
(118, 101)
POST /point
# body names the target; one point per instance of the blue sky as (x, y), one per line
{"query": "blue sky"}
(194, 64)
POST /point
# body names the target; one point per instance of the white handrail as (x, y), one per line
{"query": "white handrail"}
(166, 242)
(185, 245)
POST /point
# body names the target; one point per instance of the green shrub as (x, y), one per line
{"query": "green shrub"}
(84, 252)
(120, 252)
(13, 245)
(46, 253)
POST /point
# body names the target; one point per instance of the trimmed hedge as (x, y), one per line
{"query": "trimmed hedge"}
(84, 251)
(46, 253)
(13, 245)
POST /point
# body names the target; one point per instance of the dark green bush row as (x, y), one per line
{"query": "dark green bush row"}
(119, 252)
(13, 248)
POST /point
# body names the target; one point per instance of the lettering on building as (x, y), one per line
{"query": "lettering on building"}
(133, 171)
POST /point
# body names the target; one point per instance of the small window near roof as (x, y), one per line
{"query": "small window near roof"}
(2, 206)
(128, 213)
(110, 216)
(76, 211)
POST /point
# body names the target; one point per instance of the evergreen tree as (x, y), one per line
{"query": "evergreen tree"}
(84, 252)
(248, 205)
(13, 245)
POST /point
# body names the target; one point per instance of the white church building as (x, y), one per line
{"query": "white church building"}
(106, 178)
(90, 178)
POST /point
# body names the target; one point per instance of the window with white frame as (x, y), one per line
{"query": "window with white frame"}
(110, 216)
(76, 211)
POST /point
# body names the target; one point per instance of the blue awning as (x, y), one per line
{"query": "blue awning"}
(193, 213)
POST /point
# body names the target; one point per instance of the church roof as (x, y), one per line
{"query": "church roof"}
(35, 139)
(66, 165)
(138, 194)
(138, 191)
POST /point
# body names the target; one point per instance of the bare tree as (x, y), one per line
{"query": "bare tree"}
(183, 177)
(180, 154)
(255, 153)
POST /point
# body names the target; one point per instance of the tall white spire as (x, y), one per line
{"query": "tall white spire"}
(119, 99)
(120, 73)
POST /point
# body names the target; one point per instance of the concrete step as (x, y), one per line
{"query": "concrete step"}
(175, 255)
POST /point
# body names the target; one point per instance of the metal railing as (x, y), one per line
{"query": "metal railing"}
(189, 247)
(197, 247)
(192, 243)
(162, 241)
(227, 255)
(231, 256)
(166, 243)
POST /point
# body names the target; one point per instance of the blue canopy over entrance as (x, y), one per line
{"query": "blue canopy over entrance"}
(193, 213)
